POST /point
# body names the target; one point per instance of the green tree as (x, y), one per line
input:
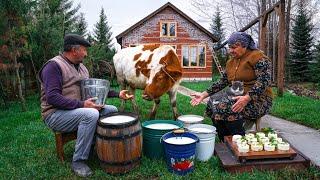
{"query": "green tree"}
(102, 48)
(102, 31)
(69, 15)
(218, 31)
(315, 67)
(302, 41)
(13, 43)
(81, 25)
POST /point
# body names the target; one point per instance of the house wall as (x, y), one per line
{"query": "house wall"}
(187, 34)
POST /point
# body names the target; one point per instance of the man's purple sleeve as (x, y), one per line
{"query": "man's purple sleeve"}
(51, 76)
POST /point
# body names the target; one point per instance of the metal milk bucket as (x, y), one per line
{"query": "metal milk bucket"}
(206, 135)
(95, 88)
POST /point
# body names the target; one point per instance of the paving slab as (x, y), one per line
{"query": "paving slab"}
(304, 139)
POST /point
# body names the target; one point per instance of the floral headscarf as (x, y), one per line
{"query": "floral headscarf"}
(244, 38)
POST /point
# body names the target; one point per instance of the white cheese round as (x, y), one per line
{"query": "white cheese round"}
(269, 147)
(243, 148)
(236, 137)
(283, 146)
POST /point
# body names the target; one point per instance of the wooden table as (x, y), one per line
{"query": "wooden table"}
(231, 164)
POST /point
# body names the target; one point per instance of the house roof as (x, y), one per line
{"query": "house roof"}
(119, 37)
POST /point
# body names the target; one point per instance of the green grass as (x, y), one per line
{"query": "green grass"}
(302, 110)
(27, 149)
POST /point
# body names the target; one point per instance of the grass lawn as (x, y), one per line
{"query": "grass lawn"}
(302, 110)
(27, 149)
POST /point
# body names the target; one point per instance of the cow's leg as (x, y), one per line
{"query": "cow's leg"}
(133, 100)
(173, 96)
(153, 112)
(122, 87)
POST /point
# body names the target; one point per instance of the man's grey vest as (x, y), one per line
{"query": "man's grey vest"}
(70, 85)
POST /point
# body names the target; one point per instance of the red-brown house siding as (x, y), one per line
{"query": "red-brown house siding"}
(186, 34)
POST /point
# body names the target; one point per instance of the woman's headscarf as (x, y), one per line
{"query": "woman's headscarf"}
(244, 38)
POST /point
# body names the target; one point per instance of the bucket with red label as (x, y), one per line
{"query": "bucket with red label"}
(180, 150)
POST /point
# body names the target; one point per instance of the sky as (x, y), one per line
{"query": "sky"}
(122, 14)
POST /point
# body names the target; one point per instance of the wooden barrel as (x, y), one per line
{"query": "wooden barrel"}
(119, 142)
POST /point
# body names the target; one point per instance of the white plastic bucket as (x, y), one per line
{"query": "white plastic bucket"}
(190, 119)
(206, 134)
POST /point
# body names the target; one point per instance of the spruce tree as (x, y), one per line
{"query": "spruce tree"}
(102, 31)
(102, 49)
(69, 15)
(315, 67)
(217, 31)
(81, 25)
(301, 55)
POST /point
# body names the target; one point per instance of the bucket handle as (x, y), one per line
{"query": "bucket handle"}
(213, 132)
(176, 131)
(179, 131)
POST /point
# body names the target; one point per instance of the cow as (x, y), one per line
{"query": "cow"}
(155, 69)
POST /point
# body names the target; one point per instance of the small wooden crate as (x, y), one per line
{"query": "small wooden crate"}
(258, 154)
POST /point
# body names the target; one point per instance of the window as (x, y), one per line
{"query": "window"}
(193, 56)
(168, 29)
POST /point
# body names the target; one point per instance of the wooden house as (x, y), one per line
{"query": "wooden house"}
(169, 25)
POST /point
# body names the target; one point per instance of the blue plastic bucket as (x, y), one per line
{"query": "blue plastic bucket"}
(180, 150)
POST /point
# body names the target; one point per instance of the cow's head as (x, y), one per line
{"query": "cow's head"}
(163, 76)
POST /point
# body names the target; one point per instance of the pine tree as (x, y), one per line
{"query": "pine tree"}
(216, 27)
(81, 25)
(301, 55)
(102, 33)
(217, 31)
(315, 67)
(69, 15)
(102, 49)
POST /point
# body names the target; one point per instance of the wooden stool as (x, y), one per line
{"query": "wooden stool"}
(61, 139)
(249, 123)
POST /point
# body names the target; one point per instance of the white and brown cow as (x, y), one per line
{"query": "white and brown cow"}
(154, 68)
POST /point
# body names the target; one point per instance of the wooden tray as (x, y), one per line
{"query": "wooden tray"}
(242, 157)
(231, 164)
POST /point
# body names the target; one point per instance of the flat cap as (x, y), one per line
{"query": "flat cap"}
(75, 39)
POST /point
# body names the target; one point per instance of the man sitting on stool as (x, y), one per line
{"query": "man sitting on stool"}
(61, 106)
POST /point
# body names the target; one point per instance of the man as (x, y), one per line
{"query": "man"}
(61, 106)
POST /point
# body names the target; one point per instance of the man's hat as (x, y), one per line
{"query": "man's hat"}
(75, 39)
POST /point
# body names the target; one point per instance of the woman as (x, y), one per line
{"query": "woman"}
(253, 68)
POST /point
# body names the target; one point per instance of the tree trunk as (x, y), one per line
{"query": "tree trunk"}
(21, 97)
(288, 16)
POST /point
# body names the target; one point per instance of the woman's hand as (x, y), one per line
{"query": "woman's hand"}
(124, 95)
(197, 98)
(241, 102)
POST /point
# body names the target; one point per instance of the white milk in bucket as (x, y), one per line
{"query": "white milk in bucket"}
(206, 135)
(162, 126)
(179, 140)
(118, 119)
(190, 119)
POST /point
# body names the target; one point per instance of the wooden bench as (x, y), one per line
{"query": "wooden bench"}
(61, 139)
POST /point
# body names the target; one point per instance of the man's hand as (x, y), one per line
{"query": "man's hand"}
(89, 103)
(241, 102)
(125, 95)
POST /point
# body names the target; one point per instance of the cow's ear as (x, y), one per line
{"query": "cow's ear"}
(145, 72)
(174, 72)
